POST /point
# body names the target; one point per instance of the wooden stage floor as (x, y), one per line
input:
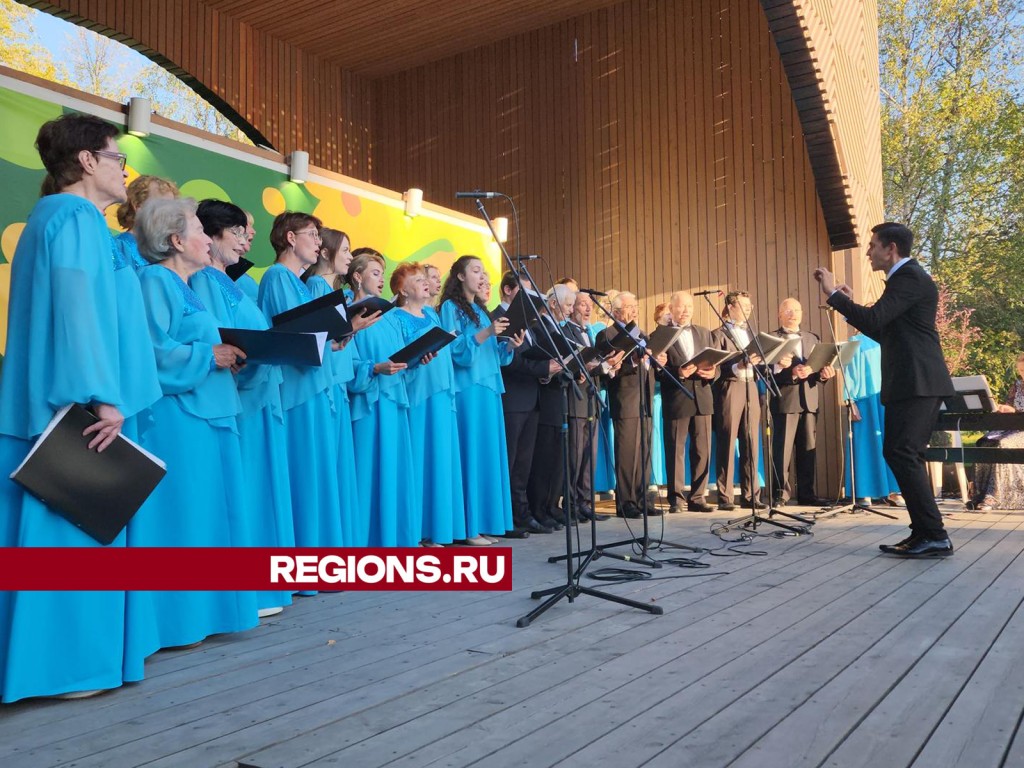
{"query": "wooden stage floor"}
(818, 652)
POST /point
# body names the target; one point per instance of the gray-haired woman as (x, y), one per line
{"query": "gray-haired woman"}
(194, 429)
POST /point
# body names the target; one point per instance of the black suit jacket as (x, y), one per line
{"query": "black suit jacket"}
(676, 405)
(578, 408)
(522, 376)
(624, 387)
(902, 321)
(795, 395)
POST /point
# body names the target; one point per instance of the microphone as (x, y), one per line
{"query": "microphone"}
(527, 257)
(708, 293)
(592, 292)
(476, 194)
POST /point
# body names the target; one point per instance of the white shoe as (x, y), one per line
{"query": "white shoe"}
(263, 613)
(72, 695)
(478, 541)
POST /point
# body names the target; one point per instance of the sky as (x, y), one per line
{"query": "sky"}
(56, 35)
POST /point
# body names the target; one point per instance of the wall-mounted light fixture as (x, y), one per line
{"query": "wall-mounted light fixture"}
(413, 201)
(139, 110)
(298, 166)
(501, 228)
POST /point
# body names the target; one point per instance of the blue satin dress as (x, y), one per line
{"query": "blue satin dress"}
(267, 488)
(310, 436)
(481, 421)
(437, 459)
(76, 333)
(864, 386)
(383, 440)
(604, 468)
(354, 517)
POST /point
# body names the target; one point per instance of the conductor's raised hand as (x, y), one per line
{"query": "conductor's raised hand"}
(826, 280)
(106, 429)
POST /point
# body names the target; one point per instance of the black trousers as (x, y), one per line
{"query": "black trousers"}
(632, 466)
(675, 432)
(793, 436)
(545, 485)
(583, 457)
(908, 427)
(520, 436)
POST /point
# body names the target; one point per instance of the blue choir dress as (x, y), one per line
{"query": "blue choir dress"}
(76, 334)
(383, 441)
(128, 250)
(864, 386)
(485, 480)
(604, 467)
(200, 502)
(249, 287)
(310, 437)
(437, 459)
(354, 517)
(267, 489)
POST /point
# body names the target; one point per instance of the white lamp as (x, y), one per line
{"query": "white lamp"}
(139, 110)
(298, 166)
(413, 201)
(500, 228)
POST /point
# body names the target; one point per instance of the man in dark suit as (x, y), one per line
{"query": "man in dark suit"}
(632, 463)
(795, 410)
(914, 375)
(682, 415)
(520, 403)
(737, 407)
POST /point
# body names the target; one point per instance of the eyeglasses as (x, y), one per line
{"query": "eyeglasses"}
(121, 158)
(238, 232)
(315, 234)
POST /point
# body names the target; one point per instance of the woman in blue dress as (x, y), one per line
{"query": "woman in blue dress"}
(267, 490)
(76, 334)
(310, 437)
(604, 466)
(249, 286)
(478, 356)
(141, 189)
(200, 502)
(380, 419)
(435, 435)
(333, 261)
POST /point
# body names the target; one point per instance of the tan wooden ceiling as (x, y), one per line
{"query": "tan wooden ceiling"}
(389, 36)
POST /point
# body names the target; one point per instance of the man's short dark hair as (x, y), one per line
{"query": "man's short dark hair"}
(59, 142)
(890, 232)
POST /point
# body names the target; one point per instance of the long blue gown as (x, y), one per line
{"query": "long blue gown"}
(200, 502)
(864, 387)
(383, 441)
(249, 287)
(437, 459)
(310, 437)
(481, 421)
(604, 468)
(74, 335)
(260, 425)
(354, 517)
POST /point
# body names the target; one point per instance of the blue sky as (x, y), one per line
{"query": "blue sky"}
(56, 35)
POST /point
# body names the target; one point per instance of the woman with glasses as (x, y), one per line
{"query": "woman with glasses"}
(141, 189)
(73, 336)
(380, 420)
(267, 489)
(311, 440)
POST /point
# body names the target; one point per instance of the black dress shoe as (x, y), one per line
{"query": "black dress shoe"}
(887, 547)
(813, 501)
(535, 526)
(699, 506)
(586, 513)
(727, 507)
(653, 511)
(757, 505)
(516, 533)
(554, 523)
(630, 512)
(919, 547)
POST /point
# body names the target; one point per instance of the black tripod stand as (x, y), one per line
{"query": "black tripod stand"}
(571, 589)
(854, 505)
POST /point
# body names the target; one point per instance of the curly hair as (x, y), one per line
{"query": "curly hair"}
(453, 290)
(138, 193)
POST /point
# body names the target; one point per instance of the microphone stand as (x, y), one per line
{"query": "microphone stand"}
(753, 519)
(571, 589)
(854, 505)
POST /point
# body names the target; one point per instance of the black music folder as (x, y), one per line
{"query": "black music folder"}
(239, 268)
(431, 341)
(276, 347)
(97, 492)
(663, 337)
(708, 356)
(328, 313)
(520, 317)
(369, 305)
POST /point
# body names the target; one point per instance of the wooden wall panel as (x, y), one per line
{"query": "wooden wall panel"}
(282, 95)
(649, 146)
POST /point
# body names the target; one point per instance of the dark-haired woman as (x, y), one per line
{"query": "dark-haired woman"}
(435, 434)
(267, 490)
(305, 392)
(478, 356)
(334, 259)
(73, 336)
(380, 420)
